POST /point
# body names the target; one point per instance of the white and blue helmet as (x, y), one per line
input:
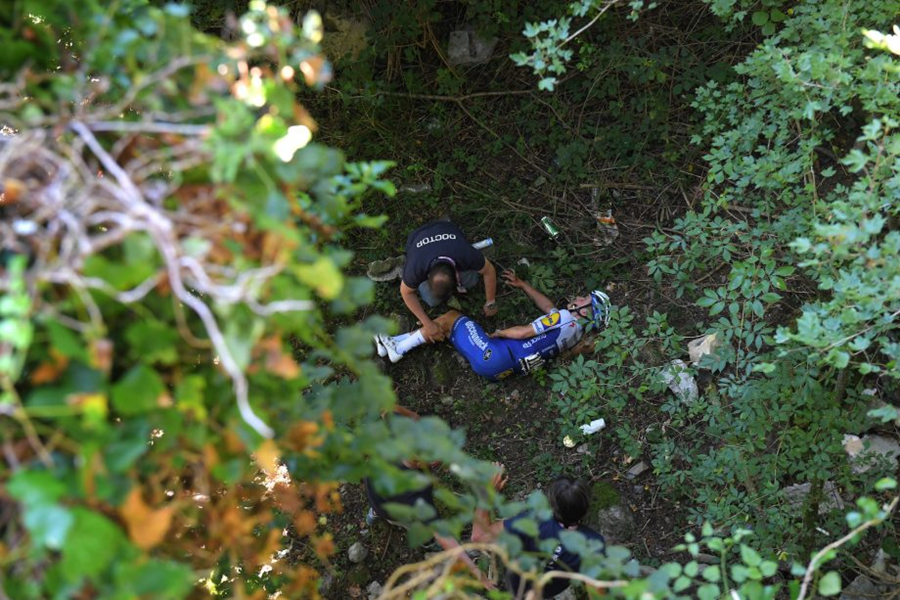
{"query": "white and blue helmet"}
(601, 307)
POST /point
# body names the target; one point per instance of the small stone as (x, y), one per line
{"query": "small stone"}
(853, 445)
(879, 565)
(325, 584)
(567, 594)
(468, 48)
(515, 395)
(375, 589)
(875, 449)
(861, 588)
(415, 188)
(357, 553)
(636, 470)
(831, 499)
(616, 524)
(582, 449)
(683, 385)
(700, 347)
(447, 400)
(363, 532)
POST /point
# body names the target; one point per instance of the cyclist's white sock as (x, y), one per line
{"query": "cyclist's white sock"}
(411, 341)
(402, 336)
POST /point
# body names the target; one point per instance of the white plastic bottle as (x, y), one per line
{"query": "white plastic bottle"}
(593, 427)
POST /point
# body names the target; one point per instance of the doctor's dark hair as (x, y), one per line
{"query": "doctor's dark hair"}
(441, 280)
(569, 499)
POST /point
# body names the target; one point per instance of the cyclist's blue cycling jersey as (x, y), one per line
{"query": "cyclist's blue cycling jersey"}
(497, 358)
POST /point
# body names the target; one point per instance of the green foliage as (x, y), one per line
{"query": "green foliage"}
(169, 329)
(773, 139)
(547, 38)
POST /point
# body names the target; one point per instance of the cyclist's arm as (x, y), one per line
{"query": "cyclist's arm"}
(518, 332)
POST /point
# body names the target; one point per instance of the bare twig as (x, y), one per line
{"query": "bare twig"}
(148, 127)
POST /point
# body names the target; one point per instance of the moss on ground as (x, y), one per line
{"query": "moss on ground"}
(603, 495)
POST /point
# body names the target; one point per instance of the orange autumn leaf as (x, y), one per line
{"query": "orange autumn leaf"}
(305, 523)
(101, 354)
(267, 456)
(323, 545)
(274, 359)
(146, 527)
(48, 372)
(286, 498)
(302, 436)
(11, 191)
(328, 420)
(210, 456)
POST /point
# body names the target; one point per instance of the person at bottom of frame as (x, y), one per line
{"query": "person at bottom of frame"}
(421, 500)
(513, 350)
(569, 499)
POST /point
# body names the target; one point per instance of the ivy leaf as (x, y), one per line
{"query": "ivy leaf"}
(750, 556)
(885, 483)
(710, 591)
(33, 488)
(681, 584)
(547, 84)
(739, 573)
(768, 568)
(838, 358)
(690, 569)
(855, 161)
(137, 391)
(48, 524)
(91, 545)
(157, 579)
(322, 275)
(830, 584)
(760, 18)
(801, 245)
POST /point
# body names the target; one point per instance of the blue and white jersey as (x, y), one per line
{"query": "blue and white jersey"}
(554, 333)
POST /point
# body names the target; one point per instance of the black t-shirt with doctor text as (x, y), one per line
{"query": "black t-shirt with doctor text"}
(433, 240)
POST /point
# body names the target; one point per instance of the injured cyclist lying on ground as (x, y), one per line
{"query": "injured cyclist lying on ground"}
(513, 350)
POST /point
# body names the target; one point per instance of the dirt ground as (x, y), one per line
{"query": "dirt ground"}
(513, 422)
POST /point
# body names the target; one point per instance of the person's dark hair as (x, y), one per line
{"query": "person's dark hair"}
(569, 499)
(441, 280)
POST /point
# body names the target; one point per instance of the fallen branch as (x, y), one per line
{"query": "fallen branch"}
(814, 562)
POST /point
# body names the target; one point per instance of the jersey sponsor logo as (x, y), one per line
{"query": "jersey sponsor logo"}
(550, 320)
(441, 237)
(474, 338)
(533, 341)
(487, 355)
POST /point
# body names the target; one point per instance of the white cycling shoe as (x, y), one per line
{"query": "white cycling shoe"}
(389, 346)
(379, 347)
